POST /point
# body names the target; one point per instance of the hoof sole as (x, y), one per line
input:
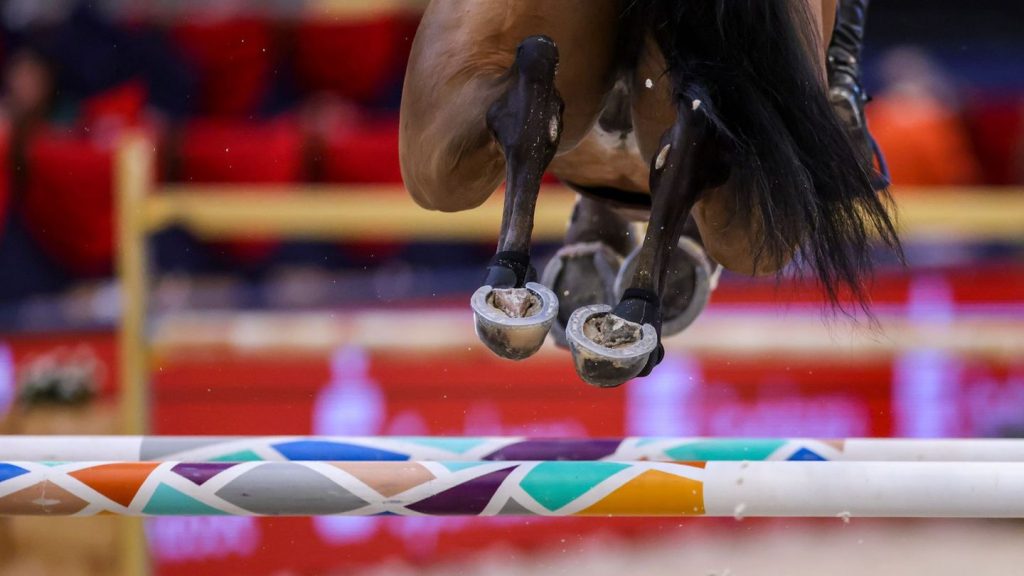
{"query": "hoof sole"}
(603, 366)
(511, 337)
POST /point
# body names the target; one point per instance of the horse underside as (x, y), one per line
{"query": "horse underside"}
(618, 299)
(610, 291)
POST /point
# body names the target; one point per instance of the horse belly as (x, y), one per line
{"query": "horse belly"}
(604, 159)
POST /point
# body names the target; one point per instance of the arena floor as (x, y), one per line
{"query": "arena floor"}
(783, 548)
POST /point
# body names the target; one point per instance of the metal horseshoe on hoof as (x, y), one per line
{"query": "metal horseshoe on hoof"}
(612, 364)
(514, 336)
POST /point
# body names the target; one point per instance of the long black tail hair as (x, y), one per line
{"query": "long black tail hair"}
(794, 172)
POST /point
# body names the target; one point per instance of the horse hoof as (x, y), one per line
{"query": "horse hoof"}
(608, 350)
(513, 322)
(687, 289)
(580, 274)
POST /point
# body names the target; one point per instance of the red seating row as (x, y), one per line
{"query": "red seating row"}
(237, 59)
(68, 201)
(929, 143)
(68, 204)
(996, 129)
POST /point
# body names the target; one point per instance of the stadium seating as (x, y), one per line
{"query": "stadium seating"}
(233, 60)
(68, 202)
(223, 151)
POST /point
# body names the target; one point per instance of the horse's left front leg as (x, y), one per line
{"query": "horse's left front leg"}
(613, 345)
(513, 312)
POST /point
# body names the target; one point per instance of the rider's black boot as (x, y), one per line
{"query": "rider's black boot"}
(845, 92)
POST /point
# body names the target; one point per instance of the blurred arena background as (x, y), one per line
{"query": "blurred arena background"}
(254, 295)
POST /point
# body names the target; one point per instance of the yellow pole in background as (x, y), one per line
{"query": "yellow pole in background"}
(133, 172)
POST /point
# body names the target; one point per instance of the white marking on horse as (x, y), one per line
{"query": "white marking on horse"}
(659, 162)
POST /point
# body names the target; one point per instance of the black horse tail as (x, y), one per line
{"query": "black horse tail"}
(794, 173)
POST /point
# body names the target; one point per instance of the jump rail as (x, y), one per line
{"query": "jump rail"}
(549, 488)
(494, 448)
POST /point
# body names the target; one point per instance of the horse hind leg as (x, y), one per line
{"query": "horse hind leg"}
(612, 345)
(584, 270)
(513, 313)
(690, 278)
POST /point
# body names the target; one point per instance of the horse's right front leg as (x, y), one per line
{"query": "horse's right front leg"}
(514, 313)
(478, 99)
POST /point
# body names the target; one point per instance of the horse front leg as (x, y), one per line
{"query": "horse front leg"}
(513, 313)
(612, 345)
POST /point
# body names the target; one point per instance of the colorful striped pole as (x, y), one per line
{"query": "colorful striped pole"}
(397, 448)
(549, 488)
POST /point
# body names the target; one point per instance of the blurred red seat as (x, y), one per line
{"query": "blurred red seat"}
(236, 152)
(233, 59)
(996, 126)
(925, 141)
(119, 107)
(215, 151)
(354, 58)
(68, 203)
(366, 155)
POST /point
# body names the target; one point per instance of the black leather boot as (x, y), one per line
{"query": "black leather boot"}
(845, 91)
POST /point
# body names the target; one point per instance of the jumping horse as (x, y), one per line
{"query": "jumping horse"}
(714, 120)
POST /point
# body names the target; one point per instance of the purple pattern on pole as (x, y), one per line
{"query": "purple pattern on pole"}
(557, 449)
(470, 497)
(200, 472)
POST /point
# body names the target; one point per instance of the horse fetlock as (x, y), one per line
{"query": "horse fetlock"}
(510, 269)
